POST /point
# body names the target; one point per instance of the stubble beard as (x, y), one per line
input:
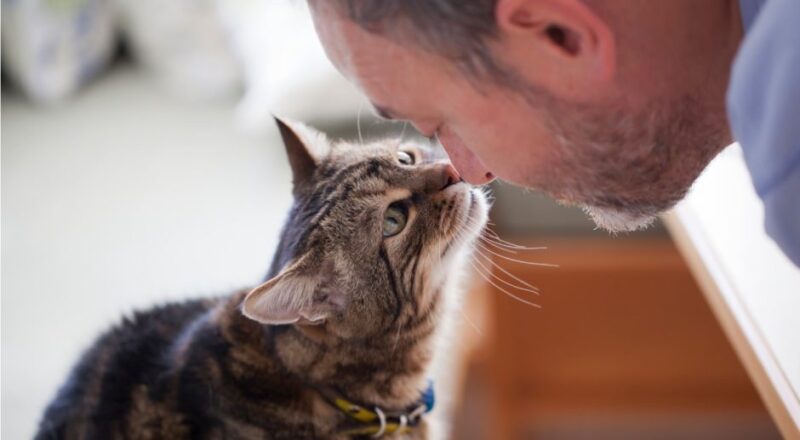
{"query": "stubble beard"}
(625, 168)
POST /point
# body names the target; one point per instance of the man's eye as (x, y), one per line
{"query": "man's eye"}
(405, 158)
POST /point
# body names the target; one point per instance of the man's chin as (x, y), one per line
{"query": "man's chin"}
(615, 221)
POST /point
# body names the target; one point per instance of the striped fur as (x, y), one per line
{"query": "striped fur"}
(203, 369)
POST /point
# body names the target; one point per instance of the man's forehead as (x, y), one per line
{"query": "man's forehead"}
(330, 25)
(369, 60)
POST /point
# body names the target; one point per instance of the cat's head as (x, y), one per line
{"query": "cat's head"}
(373, 236)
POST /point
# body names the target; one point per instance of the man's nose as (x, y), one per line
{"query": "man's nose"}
(440, 176)
(472, 172)
(481, 179)
(470, 167)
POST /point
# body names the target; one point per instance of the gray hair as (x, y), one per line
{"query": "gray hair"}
(457, 30)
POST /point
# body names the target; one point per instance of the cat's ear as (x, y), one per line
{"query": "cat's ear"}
(305, 148)
(295, 296)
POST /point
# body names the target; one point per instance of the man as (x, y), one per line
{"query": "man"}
(613, 105)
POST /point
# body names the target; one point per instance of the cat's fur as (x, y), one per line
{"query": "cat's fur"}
(344, 307)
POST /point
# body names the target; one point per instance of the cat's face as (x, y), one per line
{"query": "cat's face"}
(374, 233)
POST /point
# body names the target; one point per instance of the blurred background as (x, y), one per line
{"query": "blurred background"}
(140, 165)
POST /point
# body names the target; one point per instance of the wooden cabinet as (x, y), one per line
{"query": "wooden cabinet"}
(624, 346)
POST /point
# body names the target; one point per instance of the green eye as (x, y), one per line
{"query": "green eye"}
(405, 158)
(394, 220)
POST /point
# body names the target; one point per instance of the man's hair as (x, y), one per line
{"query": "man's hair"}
(458, 30)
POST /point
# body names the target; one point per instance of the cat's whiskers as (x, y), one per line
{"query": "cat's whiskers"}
(488, 274)
(530, 289)
(501, 269)
(487, 240)
(460, 308)
(506, 245)
(524, 301)
(495, 245)
(487, 194)
(358, 121)
(494, 238)
(516, 260)
(469, 321)
(460, 231)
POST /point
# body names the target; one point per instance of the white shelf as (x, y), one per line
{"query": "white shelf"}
(752, 286)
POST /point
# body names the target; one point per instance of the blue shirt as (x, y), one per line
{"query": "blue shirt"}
(764, 111)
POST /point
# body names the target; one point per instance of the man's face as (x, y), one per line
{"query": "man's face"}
(622, 162)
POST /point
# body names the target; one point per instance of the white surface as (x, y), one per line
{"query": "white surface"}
(723, 218)
(52, 48)
(117, 200)
(183, 42)
(284, 66)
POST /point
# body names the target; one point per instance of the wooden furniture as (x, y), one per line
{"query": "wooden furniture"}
(752, 287)
(624, 346)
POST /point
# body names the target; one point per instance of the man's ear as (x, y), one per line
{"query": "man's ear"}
(305, 148)
(296, 295)
(564, 36)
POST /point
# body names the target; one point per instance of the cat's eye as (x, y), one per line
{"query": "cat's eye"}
(395, 218)
(405, 158)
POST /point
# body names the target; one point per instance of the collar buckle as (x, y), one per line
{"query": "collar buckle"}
(377, 422)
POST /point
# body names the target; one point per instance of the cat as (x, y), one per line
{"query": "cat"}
(336, 344)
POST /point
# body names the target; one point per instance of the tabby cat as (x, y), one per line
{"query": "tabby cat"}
(337, 344)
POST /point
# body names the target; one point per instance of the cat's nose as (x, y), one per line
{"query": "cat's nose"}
(441, 176)
(450, 176)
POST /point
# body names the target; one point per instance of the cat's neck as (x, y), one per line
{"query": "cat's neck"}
(388, 370)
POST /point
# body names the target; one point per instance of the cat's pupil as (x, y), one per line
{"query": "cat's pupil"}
(405, 158)
(395, 219)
